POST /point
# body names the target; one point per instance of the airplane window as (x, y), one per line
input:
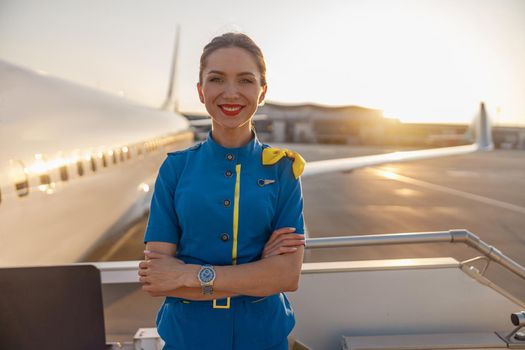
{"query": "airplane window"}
(80, 168)
(93, 162)
(45, 179)
(64, 176)
(41, 167)
(18, 176)
(22, 188)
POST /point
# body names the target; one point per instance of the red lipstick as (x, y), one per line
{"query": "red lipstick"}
(231, 109)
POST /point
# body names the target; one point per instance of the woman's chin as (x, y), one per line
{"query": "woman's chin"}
(231, 123)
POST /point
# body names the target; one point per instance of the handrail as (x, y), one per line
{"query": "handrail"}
(451, 236)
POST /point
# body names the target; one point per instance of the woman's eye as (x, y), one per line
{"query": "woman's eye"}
(215, 80)
(246, 81)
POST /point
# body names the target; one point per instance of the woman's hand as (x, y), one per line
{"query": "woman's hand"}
(160, 273)
(283, 241)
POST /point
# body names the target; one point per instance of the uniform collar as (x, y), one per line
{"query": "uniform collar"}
(252, 148)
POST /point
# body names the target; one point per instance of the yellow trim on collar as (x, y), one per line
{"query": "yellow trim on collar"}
(272, 155)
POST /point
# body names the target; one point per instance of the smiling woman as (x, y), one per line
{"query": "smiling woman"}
(225, 232)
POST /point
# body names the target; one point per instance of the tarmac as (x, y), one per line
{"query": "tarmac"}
(482, 192)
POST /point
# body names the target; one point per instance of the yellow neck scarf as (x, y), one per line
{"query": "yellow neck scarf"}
(272, 155)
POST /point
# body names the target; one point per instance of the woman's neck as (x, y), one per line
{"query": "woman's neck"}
(232, 138)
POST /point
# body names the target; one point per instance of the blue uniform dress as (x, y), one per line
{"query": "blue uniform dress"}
(220, 205)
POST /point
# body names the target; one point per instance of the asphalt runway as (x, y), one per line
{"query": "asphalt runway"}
(482, 192)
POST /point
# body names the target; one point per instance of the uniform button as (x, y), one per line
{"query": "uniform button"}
(228, 173)
(226, 202)
(229, 156)
(225, 237)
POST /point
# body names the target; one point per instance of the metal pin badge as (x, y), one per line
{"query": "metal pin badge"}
(264, 182)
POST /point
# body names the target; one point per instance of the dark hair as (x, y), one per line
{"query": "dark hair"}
(239, 40)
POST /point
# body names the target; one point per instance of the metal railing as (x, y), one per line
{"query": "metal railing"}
(126, 271)
(451, 236)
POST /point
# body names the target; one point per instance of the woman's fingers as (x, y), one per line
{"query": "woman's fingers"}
(279, 232)
(286, 240)
(162, 272)
(286, 244)
(277, 236)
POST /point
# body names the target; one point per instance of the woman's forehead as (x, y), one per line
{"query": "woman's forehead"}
(231, 60)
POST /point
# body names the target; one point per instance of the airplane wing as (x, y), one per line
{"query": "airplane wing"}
(483, 143)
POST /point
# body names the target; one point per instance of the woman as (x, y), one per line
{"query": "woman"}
(230, 210)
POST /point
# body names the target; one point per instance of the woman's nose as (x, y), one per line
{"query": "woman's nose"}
(230, 91)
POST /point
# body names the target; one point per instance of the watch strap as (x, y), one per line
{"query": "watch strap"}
(207, 289)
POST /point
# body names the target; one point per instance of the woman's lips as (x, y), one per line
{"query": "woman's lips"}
(231, 110)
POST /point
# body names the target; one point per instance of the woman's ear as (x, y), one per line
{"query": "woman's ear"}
(263, 94)
(199, 90)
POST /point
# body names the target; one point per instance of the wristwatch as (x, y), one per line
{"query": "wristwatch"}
(206, 277)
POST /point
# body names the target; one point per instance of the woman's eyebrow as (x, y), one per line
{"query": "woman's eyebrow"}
(215, 72)
(222, 73)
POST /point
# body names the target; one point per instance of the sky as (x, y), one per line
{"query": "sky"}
(417, 60)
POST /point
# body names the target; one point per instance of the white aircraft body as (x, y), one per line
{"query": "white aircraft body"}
(76, 165)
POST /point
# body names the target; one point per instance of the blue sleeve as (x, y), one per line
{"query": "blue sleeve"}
(163, 223)
(289, 211)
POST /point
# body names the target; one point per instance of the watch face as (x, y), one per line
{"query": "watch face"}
(206, 275)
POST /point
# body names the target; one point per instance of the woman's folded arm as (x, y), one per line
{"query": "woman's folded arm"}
(164, 275)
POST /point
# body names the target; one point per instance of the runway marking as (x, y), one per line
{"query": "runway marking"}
(431, 186)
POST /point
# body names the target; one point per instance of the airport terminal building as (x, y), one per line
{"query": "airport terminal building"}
(355, 125)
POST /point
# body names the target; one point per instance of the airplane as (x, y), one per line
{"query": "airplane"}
(77, 165)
